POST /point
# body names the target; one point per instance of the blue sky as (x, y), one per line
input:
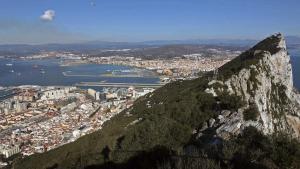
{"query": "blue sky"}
(141, 20)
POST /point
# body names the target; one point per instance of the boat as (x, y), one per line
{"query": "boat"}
(42, 71)
(12, 71)
(9, 64)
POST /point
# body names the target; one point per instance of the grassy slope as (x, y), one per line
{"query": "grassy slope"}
(167, 118)
(246, 59)
(175, 111)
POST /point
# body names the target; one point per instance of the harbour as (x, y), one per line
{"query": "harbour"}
(45, 72)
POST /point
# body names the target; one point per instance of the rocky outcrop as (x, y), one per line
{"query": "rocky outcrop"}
(263, 78)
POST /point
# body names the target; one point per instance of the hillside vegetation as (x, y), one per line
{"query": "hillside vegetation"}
(161, 131)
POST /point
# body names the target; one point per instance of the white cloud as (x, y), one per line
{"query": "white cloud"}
(48, 15)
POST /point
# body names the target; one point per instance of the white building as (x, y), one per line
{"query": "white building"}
(97, 96)
(68, 107)
(56, 93)
(9, 151)
(20, 106)
(94, 94)
(142, 92)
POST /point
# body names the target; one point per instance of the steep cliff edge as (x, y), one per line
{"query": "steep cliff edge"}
(263, 77)
(210, 122)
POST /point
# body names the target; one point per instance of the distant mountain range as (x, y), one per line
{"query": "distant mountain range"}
(293, 40)
(97, 46)
(174, 50)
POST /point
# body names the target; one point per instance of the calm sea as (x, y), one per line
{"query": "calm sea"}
(295, 58)
(49, 72)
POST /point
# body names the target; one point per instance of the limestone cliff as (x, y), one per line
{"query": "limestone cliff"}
(254, 89)
(263, 77)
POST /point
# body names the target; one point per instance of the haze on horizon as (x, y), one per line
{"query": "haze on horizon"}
(63, 21)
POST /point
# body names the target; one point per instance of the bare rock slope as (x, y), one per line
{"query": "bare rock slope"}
(254, 89)
(263, 77)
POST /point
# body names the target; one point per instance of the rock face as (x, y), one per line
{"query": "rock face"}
(262, 77)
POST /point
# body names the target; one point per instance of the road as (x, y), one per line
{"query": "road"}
(101, 84)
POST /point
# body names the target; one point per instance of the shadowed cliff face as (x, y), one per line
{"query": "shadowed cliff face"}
(255, 90)
(262, 76)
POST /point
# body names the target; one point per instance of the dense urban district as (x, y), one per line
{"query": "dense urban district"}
(36, 119)
(170, 63)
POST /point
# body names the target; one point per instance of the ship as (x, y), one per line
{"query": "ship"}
(42, 71)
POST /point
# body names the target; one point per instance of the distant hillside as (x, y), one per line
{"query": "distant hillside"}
(90, 47)
(246, 115)
(143, 51)
(219, 42)
(171, 51)
(96, 47)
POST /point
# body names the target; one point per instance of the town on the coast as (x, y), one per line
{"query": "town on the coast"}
(36, 119)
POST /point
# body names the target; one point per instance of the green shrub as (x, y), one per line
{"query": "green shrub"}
(230, 102)
(251, 113)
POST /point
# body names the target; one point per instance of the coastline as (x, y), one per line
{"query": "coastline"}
(48, 72)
